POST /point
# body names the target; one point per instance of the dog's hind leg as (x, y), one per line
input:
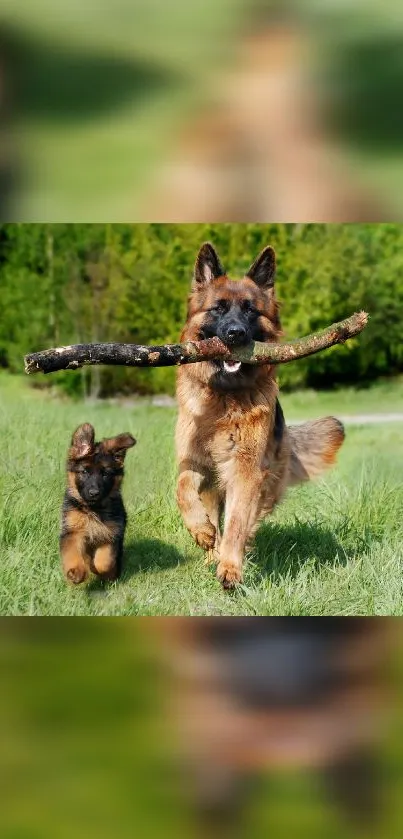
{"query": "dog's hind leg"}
(192, 508)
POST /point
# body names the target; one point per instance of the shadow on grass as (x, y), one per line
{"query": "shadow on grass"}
(281, 550)
(149, 555)
(141, 555)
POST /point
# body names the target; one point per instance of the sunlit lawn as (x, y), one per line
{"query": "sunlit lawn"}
(333, 547)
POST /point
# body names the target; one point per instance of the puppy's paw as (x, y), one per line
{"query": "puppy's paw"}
(76, 575)
(229, 573)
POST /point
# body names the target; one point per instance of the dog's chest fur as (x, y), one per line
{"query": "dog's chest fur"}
(236, 435)
(95, 531)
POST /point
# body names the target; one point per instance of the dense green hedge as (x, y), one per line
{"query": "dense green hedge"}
(69, 283)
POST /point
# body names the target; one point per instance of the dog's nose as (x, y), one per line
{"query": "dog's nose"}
(93, 493)
(236, 335)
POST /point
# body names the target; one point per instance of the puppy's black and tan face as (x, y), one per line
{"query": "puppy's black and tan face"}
(95, 470)
(236, 312)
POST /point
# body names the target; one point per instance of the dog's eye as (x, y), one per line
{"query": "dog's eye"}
(221, 306)
(84, 470)
(247, 307)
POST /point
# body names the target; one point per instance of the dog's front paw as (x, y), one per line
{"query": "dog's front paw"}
(76, 575)
(205, 535)
(229, 573)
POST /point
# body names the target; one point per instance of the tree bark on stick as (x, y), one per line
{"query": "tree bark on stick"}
(134, 355)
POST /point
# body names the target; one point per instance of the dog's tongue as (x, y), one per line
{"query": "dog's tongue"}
(232, 366)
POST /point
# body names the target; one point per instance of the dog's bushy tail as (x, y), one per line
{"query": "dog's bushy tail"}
(314, 446)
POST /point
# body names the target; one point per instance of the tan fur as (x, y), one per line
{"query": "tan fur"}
(93, 516)
(314, 446)
(86, 529)
(71, 483)
(75, 561)
(104, 560)
(226, 443)
(90, 526)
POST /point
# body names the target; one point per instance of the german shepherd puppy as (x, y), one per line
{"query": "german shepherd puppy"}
(234, 450)
(93, 515)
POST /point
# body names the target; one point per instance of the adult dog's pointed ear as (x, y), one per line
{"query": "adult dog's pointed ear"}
(207, 267)
(118, 445)
(82, 442)
(263, 270)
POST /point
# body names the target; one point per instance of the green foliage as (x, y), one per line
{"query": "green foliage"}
(71, 283)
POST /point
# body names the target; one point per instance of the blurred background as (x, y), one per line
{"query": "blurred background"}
(232, 110)
(94, 715)
(63, 284)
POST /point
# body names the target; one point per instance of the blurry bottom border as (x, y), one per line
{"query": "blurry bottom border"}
(201, 726)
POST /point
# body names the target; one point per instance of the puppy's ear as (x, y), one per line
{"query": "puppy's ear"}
(82, 442)
(263, 269)
(118, 445)
(207, 267)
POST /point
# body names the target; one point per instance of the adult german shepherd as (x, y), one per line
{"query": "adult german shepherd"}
(234, 450)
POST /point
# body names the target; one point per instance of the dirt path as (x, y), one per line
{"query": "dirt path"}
(362, 419)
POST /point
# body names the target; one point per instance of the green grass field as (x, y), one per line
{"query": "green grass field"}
(334, 547)
(382, 397)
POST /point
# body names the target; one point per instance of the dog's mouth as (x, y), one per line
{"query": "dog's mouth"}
(229, 369)
(229, 375)
(232, 367)
(92, 501)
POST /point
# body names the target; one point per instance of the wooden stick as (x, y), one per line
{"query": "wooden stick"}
(133, 355)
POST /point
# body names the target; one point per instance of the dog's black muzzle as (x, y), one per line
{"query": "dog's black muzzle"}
(233, 333)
